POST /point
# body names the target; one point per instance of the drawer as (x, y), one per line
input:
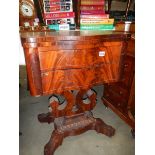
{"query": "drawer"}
(72, 79)
(114, 99)
(61, 59)
(60, 80)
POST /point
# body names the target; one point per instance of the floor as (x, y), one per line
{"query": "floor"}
(35, 135)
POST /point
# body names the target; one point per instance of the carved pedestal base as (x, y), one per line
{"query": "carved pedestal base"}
(75, 125)
(73, 117)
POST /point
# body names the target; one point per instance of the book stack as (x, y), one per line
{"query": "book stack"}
(59, 15)
(93, 16)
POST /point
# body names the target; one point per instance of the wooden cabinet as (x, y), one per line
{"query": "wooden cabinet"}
(120, 96)
(72, 59)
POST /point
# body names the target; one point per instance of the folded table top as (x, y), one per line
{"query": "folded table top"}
(73, 35)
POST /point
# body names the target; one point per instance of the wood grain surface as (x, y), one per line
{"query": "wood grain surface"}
(69, 60)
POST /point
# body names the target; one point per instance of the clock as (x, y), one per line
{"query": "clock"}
(27, 12)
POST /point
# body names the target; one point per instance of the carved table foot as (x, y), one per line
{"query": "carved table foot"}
(103, 128)
(45, 118)
(54, 142)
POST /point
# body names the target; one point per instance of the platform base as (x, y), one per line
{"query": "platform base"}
(75, 125)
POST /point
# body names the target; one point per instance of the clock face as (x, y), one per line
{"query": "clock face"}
(26, 9)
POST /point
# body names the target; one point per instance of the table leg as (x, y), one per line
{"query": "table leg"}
(45, 118)
(54, 142)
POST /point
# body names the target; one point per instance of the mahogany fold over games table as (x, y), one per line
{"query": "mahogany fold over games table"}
(58, 63)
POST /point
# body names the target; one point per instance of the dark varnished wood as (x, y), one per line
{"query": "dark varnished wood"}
(70, 60)
(46, 118)
(71, 122)
(120, 96)
(75, 126)
(33, 71)
(58, 62)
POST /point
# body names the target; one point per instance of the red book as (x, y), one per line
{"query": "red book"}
(54, 3)
(59, 15)
(95, 16)
(91, 0)
(52, 8)
(93, 12)
(91, 7)
(60, 0)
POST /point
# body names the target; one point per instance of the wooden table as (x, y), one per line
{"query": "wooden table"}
(60, 62)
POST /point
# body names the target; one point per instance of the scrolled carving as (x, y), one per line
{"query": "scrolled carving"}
(65, 108)
(82, 105)
(72, 105)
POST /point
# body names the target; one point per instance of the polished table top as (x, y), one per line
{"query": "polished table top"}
(63, 35)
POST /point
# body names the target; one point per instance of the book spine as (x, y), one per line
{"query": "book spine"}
(92, 2)
(97, 27)
(61, 3)
(51, 0)
(92, 7)
(59, 15)
(60, 21)
(58, 8)
(57, 1)
(62, 27)
(96, 21)
(95, 16)
(92, 12)
(52, 8)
